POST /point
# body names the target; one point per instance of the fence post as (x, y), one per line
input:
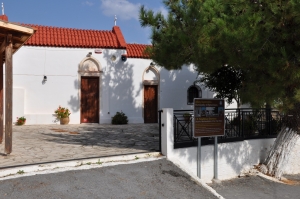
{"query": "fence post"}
(159, 129)
(239, 120)
(268, 118)
(243, 132)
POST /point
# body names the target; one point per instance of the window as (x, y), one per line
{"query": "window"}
(193, 92)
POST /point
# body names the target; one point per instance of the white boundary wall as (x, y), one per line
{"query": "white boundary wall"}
(235, 158)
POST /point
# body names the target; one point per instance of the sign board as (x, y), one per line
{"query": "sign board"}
(208, 117)
(98, 51)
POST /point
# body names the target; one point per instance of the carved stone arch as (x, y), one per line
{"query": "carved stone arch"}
(89, 66)
(149, 81)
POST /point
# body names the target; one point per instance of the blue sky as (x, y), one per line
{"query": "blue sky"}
(85, 14)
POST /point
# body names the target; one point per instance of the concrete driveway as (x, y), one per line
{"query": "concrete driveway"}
(35, 144)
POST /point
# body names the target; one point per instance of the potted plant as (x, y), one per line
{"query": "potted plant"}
(187, 117)
(21, 120)
(63, 115)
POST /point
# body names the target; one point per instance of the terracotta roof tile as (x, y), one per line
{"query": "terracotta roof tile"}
(137, 51)
(67, 37)
(120, 37)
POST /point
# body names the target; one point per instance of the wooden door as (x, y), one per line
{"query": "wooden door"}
(89, 100)
(150, 104)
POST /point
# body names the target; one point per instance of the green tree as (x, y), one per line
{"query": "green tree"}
(226, 82)
(262, 38)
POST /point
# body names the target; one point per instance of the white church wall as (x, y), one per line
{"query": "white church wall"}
(121, 84)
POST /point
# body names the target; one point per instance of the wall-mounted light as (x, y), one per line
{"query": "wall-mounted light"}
(89, 54)
(152, 64)
(124, 57)
(44, 80)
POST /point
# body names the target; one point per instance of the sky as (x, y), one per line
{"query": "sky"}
(85, 14)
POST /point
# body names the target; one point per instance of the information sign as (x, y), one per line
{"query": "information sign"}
(208, 117)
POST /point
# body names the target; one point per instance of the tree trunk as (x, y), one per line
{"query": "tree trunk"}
(279, 154)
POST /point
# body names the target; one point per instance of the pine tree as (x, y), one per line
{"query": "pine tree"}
(262, 38)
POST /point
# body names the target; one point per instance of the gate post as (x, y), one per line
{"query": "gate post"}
(167, 134)
(159, 129)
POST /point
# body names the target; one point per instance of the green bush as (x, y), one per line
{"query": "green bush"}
(119, 118)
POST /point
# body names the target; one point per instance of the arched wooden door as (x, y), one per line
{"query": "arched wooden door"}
(89, 100)
(150, 104)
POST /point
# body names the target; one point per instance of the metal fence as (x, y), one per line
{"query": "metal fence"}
(240, 124)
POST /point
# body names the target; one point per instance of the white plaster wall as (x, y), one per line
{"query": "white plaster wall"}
(234, 158)
(174, 86)
(121, 86)
(60, 65)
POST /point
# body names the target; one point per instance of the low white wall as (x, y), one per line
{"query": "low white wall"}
(233, 158)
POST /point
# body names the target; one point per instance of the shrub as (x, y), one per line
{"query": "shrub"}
(119, 118)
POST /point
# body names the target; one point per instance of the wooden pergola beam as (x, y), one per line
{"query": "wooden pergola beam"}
(12, 36)
(2, 47)
(8, 94)
(1, 97)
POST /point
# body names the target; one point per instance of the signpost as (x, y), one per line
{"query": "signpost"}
(208, 122)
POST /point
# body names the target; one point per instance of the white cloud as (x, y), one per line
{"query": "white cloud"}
(122, 8)
(88, 3)
(163, 11)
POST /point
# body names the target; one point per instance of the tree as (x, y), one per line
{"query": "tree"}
(226, 82)
(262, 38)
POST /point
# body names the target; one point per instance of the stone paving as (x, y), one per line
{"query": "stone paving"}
(35, 144)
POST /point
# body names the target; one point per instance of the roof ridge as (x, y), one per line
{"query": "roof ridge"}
(59, 27)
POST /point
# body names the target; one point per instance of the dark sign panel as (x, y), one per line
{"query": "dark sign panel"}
(208, 117)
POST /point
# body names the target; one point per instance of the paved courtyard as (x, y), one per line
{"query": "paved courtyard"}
(33, 144)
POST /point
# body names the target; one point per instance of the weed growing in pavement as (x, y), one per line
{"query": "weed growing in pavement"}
(99, 162)
(89, 163)
(136, 158)
(20, 172)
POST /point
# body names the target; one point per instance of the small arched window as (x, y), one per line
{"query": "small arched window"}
(193, 92)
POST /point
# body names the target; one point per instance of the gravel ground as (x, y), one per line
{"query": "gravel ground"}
(255, 187)
(155, 179)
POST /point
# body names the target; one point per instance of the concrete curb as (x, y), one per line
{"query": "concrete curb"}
(197, 180)
(56, 167)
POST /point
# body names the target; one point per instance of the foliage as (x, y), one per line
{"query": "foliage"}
(62, 112)
(261, 38)
(21, 120)
(20, 172)
(119, 118)
(187, 114)
(226, 82)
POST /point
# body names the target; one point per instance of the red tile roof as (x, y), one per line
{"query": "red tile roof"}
(3, 18)
(79, 38)
(137, 51)
(76, 38)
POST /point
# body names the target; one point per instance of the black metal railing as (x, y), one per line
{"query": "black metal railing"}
(240, 124)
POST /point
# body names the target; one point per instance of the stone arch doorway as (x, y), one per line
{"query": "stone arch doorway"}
(151, 80)
(89, 80)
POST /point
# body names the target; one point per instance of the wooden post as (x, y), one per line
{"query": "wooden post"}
(8, 94)
(1, 97)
